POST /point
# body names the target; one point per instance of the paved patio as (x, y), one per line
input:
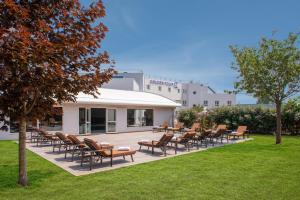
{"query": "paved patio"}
(118, 140)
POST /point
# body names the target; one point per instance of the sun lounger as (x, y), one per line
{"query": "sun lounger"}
(185, 139)
(218, 133)
(177, 128)
(195, 128)
(162, 143)
(240, 132)
(162, 127)
(96, 151)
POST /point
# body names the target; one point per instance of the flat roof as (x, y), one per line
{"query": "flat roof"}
(125, 97)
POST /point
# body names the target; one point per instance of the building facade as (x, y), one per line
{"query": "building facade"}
(113, 111)
(187, 94)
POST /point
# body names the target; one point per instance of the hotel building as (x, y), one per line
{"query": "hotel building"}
(188, 94)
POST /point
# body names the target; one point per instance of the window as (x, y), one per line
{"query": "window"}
(169, 89)
(194, 92)
(148, 87)
(229, 103)
(159, 88)
(178, 90)
(183, 91)
(184, 102)
(53, 122)
(139, 117)
(217, 103)
(205, 103)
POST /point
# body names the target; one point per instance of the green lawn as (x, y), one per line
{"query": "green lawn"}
(256, 169)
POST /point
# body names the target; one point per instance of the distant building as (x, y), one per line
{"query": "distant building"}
(187, 94)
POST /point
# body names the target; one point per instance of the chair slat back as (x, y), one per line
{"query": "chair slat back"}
(74, 139)
(241, 129)
(63, 137)
(93, 146)
(165, 125)
(165, 139)
(195, 127)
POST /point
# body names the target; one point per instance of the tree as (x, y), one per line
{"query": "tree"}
(49, 52)
(270, 71)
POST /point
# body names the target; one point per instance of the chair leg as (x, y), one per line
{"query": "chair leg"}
(74, 148)
(140, 147)
(111, 161)
(81, 161)
(152, 150)
(91, 161)
(123, 157)
(132, 158)
(176, 145)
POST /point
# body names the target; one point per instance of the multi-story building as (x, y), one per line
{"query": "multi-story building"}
(187, 94)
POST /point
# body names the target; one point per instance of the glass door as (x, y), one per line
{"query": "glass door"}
(111, 120)
(98, 120)
(82, 121)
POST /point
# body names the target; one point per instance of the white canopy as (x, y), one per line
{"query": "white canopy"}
(124, 97)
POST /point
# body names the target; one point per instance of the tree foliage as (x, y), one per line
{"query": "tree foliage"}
(270, 71)
(49, 52)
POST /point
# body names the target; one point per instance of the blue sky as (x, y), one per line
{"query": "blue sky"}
(188, 40)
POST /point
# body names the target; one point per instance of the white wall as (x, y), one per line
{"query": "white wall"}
(122, 84)
(203, 93)
(71, 117)
(175, 93)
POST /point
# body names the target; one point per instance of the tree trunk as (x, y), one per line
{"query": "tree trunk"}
(22, 152)
(278, 122)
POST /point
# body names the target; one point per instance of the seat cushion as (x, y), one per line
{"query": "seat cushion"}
(148, 144)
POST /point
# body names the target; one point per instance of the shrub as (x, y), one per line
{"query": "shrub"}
(259, 120)
(187, 116)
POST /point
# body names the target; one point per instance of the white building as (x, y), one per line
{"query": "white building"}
(113, 111)
(187, 94)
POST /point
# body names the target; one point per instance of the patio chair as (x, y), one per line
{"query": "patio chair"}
(96, 151)
(202, 137)
(177, 128)
(184, 139)
(240, 132)
(79, 146)
(45, 137)
(194, 128)
(162, 143)
(160, 128)
(218, 133)
(63, 142)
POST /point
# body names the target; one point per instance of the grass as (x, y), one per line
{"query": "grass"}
(256, 169)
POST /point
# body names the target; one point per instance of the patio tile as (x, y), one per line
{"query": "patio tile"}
(118, 140)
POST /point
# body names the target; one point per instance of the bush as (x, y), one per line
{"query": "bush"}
(291, 117)
(258, 120)
(187, 117)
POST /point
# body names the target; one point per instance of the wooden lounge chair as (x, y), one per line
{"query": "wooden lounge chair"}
(96, 151)
(160, 128)
(185, 139)
(45, 137)
(177, 128)
(77, 145)
(218, 133)
(240, 132)
(63, 142)
(202, 137)
(195, 128)
(162, 143)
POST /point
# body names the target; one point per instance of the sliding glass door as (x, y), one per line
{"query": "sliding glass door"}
(98, 120)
